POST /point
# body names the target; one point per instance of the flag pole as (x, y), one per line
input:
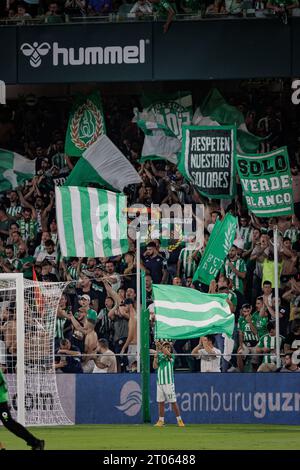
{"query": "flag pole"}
(278, 361)
(138, 296)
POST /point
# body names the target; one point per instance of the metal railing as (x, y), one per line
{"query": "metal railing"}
(116, 17)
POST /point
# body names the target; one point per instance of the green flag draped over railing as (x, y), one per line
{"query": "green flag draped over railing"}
(220, 242)
(267, 183)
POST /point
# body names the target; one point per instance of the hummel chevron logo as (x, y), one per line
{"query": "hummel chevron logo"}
(35, 51)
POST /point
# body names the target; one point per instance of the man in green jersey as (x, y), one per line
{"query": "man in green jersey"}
(234, 268)
(248, 338)
(260, 317)
(267, 344)
(12, 425)
(164, 363)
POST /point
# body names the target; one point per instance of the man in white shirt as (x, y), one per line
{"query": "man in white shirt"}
(209, 355)
(41, 248)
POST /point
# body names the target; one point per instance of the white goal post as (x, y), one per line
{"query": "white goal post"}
(27, 328)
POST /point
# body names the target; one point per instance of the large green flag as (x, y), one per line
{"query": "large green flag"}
(184, 313)
(161, 120)
(208, 160)
(103, 163)
(215, 110)
(86, 124)
(220, 242)
(91, 222)
(14, 169)
(267, 183)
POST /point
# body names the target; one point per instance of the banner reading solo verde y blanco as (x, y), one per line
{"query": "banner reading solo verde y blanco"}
(267, 183)
(207, 159)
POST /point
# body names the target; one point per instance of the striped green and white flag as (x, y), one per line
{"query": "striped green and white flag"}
(184, 313)
(91, 222)
(14, 170)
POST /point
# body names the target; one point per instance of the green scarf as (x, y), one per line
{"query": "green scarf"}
(28, 228)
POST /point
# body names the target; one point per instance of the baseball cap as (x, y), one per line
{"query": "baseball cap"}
(91, 314)
(85, 297)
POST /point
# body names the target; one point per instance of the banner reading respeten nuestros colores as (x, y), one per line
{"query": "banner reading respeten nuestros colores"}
(267, 183)
(207, 159)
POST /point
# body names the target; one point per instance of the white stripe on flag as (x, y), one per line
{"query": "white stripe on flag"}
(60, 222)
(96, 223)
(113, 223)
(183, 322)
(189, 307)
(77, 220)
(259, 157)
(270, 211)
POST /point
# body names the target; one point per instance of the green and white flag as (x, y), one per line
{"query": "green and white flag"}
(161, 120)
(159, 143)
(14, 170)
(86, 124)
(91, 222)
(104, 164)
(219, 244)
(216, 111)
(184, 313)
(207, 160)
(267, 183)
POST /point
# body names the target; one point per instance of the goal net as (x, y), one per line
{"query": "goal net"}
(27, 332)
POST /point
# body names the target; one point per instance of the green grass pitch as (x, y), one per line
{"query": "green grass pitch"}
(145, 436)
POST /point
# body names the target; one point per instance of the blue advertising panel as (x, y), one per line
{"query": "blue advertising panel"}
(203, 398)
(108, 399)
(238, 398)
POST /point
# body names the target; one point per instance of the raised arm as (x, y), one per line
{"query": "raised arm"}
(112, 293)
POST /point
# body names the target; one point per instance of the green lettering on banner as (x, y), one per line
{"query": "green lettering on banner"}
(267, 183)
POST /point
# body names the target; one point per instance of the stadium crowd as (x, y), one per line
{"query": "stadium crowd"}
(48, 11)
(97, 313)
